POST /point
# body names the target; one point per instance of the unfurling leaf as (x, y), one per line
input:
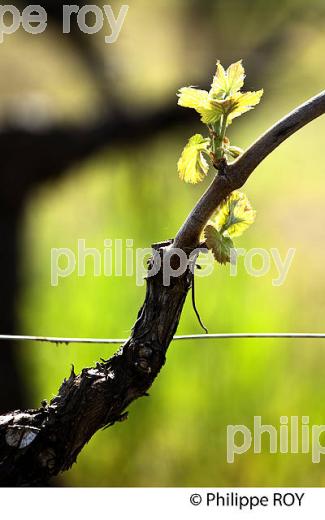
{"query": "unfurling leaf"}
(234, 215)
(224, 102)
(243, 102)
(220, 245)
(235, 76)
(192, 165)
(237, 104)
(191, 97)
(224, 98)
(226, 83)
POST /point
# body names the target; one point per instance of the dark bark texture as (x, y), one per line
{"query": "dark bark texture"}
(38, 444)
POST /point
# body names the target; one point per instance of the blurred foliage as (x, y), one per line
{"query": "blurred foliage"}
(178, 435)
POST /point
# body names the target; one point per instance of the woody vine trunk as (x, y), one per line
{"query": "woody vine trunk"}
(38, 444)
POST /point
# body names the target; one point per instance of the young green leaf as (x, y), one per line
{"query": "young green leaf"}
(192, 165)
(226, 83)
(224, 97)
(237, 104)
(220, 245)
(219, 82)
(234, 215)
(217, 108)
(243, 102)
(235, 77)
(190, 97)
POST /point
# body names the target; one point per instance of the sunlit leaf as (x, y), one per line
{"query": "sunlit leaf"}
(210, 114)
(191, 97)
(224, 106)
(226, 83)
(219, 83)
(234, 215)
(235, 77)
(192, 165)
(220, 245)
(243, 102)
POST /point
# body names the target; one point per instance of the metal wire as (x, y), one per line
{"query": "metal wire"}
(115, 341)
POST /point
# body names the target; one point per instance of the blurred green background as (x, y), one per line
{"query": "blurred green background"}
(130, 190)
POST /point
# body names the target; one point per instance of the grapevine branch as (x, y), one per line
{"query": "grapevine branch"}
(233, 176)
(38, 444)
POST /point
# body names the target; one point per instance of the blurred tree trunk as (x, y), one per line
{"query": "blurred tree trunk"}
(11, 391)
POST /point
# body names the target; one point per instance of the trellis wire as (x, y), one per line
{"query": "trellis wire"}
(116, 341)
